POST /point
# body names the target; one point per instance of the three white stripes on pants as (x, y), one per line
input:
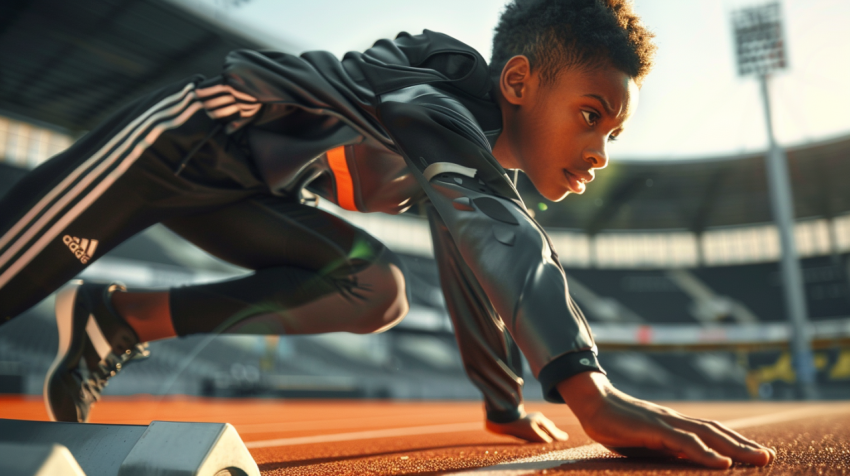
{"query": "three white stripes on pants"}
(128, 139)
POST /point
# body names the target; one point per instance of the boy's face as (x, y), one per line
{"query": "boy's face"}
(558, 133)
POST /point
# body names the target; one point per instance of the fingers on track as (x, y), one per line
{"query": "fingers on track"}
(689, 445)
(740, 438)
(541, 431)
(729, 443)
(556, 433)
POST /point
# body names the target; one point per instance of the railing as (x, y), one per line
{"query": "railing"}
(750, 337)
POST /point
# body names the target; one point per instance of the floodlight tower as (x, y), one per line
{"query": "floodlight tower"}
(760, 48)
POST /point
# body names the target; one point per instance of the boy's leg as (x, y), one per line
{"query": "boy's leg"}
(111, 184)
(315, 273)
(114, 182)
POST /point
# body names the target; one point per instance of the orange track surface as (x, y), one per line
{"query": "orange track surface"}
(815, 444)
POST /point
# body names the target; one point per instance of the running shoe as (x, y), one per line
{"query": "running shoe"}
(94, 345)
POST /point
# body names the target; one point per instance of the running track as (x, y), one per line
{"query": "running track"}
(425, 438)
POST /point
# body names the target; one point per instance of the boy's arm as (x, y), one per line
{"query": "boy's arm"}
(508, 254)
(490, 357)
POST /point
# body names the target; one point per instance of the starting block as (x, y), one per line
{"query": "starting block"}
(37, 460)
(160, 449)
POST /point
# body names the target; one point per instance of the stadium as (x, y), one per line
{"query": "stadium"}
(675, 262)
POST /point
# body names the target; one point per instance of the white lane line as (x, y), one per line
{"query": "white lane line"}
(366, 435)
(554, 459)
(328, 424)
(788, 415)
(543, 461)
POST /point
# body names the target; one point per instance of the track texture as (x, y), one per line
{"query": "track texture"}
(374, 437)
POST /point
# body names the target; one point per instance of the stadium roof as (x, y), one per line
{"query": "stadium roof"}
(699, 194)
(71, 63)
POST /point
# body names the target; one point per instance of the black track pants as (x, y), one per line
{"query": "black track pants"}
(314, 272)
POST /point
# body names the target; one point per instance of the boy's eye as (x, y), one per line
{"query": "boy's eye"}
(612, 138)
(590, 117)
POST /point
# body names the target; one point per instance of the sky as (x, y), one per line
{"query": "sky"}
(692, 104)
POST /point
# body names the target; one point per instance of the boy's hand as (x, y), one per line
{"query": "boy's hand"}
(634, 427)
(532, 427)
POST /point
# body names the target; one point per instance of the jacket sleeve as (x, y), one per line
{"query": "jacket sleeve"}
(508, 253)
(490, 357)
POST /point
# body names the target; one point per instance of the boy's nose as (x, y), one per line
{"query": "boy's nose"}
(596, 157)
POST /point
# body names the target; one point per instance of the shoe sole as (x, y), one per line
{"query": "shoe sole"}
(65, 301)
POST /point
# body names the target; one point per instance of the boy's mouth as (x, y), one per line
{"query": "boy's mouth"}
(575, 183)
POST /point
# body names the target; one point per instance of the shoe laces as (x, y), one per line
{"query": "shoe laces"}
(94, 380)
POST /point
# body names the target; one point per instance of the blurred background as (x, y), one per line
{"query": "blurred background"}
(672, 253)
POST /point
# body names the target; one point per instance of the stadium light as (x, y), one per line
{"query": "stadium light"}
(760, 48)
(759, 42)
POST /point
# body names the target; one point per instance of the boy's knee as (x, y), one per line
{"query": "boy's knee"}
(390, 298)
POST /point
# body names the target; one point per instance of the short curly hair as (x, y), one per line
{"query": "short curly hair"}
(556, 34)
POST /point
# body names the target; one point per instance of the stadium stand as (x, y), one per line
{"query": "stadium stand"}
(741, 293)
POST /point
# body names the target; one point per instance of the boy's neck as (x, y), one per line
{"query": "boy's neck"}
(502, 153)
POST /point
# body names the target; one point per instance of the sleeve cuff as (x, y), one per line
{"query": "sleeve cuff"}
(564, 367)
(504, 416)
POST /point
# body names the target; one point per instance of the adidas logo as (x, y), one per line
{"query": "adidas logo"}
(83, 248)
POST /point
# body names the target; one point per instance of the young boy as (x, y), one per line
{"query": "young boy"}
(225, 163)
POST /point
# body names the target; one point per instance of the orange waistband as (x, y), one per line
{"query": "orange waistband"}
(342, 177)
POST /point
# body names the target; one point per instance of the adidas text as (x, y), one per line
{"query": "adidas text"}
(83, 248)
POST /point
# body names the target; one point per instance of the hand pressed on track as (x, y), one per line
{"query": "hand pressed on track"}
(634, 427)
(532, 427)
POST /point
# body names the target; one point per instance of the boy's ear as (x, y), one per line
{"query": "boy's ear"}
(514, 81)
